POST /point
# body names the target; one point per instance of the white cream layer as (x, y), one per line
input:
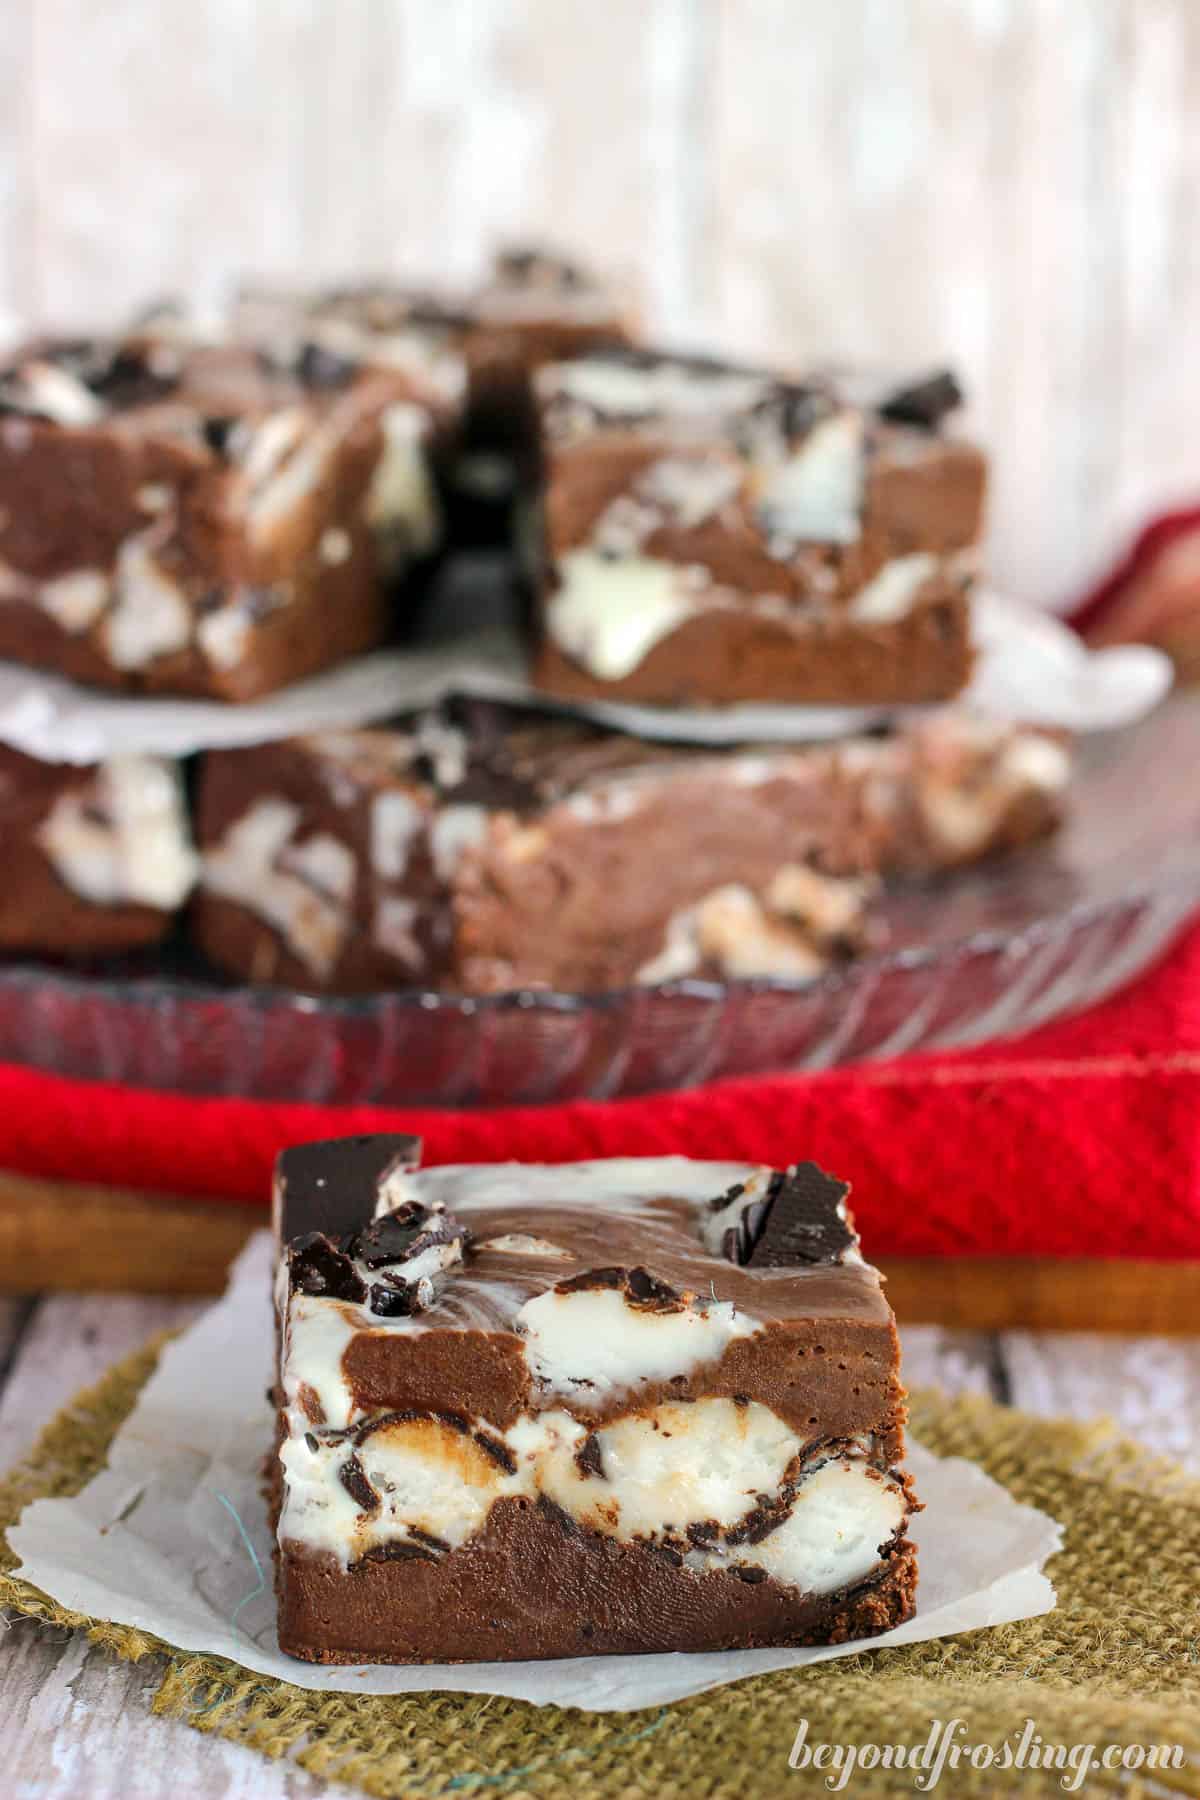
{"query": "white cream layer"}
(123, 839)
(708, 1464)
(592, 1341)
(261, 864)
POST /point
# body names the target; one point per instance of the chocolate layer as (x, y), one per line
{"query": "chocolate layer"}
(535, 1588)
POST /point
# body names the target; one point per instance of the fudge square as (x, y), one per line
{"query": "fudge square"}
(98, 858)
(481, 848)
(203, 518)
(711, 534)
(530, 1411)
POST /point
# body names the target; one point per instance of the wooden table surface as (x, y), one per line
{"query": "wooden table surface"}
(78, 1723)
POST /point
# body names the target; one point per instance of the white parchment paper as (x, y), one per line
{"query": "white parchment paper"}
(1031, 668)
(172, 1537)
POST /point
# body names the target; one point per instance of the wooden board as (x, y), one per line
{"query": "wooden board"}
(1046, 1294)
(58, 1237)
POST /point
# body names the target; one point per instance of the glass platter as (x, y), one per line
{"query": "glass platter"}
(968, 958)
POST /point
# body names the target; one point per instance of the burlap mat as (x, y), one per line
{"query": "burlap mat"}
(1117, 1662)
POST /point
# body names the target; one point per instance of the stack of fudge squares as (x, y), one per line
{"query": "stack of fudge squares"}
(220, 514)
(650, 1404)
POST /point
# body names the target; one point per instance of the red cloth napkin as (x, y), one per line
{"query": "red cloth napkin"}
(1152, 595)
(1081, 1139)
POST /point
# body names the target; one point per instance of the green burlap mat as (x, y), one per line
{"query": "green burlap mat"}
(1117, 1662)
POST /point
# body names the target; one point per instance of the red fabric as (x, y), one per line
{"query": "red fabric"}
(1096, 609)
(1080, 1139)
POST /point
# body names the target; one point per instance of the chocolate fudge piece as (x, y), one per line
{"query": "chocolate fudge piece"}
(601, 1408)
(186, 517)
(97, 858)
(712, 534)
(483, 849)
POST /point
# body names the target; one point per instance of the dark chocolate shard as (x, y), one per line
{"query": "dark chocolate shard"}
(332, 1185)
(390, 1301)
(589, 1459)
(217, 432)
(430, 1541)
(399, 1550)
(499, 1452)
(391, 1239)
(317, 366)
(646, 1291)
(924, 403)
(396, 1237)
(397, 1245)
(591, 1278)
(639, 1287)
(132, 379)
(353, 1478)
(524, 266)
(739, 1238)
(319, 1267)
(747, 1572)
(801, 1221)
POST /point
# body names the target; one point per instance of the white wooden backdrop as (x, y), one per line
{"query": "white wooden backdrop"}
(1014, 184)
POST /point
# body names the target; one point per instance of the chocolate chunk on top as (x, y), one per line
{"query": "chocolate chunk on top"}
(412, 1248)
(924, 403)
(397, 1236)
(332, 1185)
(321, 1267)
(802, 1219)
(638, 1287)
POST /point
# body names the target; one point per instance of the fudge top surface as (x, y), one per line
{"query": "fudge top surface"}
(636, 389)
(484, 753)
(469, 1247)
(472, 752)
(384, 318)
(162, 381)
